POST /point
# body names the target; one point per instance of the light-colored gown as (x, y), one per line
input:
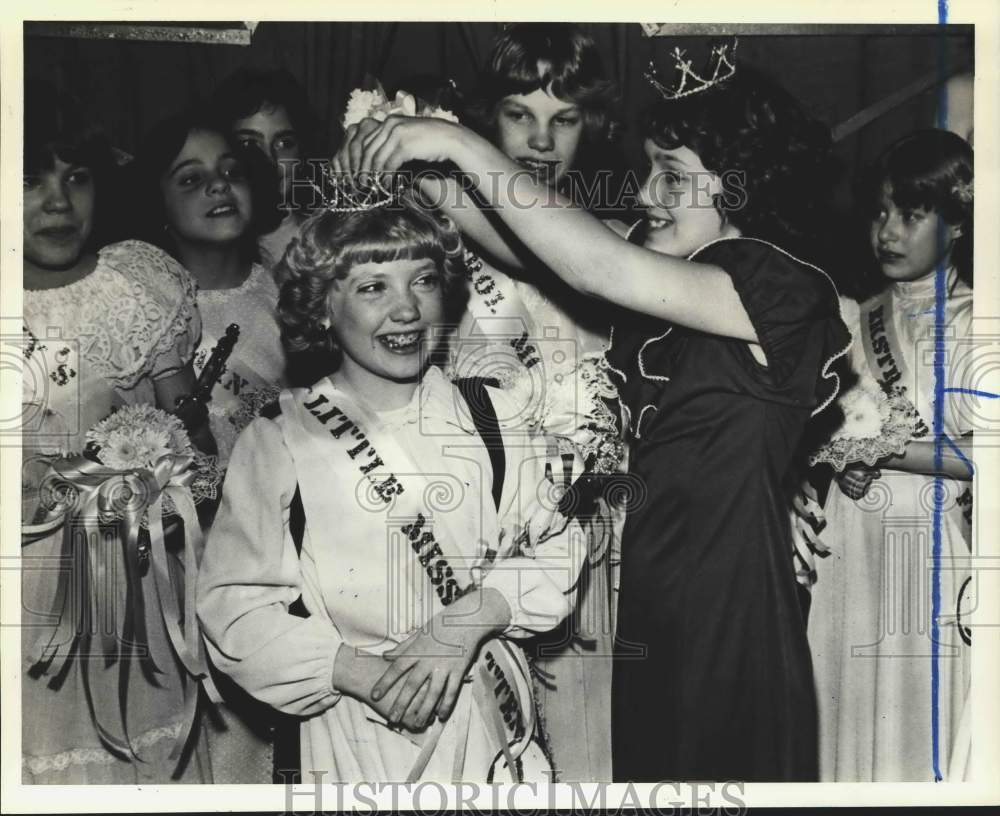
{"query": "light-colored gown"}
(870, 623)
(91, 346)
(359, 576)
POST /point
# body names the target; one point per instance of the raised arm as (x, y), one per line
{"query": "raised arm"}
(570, 241)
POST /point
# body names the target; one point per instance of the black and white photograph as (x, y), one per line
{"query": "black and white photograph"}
(492, 403)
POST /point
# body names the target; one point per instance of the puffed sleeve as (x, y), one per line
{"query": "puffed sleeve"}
(168, 322)
(249, 575)
(539, 585)
(795, 311)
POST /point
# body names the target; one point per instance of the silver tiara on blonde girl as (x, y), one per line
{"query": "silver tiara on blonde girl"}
(350, 193)
(721, 66)
(346, 193)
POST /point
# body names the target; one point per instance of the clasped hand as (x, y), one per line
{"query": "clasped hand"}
(854, 482)
(425, 672)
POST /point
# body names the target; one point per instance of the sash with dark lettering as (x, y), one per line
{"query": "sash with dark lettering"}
(888, 362)
(357, 482)
(885, 356)
(496, 317)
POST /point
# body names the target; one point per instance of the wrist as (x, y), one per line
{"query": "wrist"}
(343, 674)
(468, 150)
(478, 616)
(355, 671)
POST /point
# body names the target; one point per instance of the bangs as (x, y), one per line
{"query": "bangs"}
(922, 170)
(676, 124)
(913, 193)
(385, 251)
(521, 76)
(389, 236)
(87, 149)
(55, 126)
(553, 58)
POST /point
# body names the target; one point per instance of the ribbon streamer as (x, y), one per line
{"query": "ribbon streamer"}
(129, 499)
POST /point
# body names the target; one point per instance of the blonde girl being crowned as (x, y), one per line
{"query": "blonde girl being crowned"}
(368, 569)
(544, 99)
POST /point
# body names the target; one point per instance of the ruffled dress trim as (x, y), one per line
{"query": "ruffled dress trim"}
(840, 340)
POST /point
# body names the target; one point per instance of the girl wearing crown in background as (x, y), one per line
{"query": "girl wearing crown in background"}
(545, 101)
(872, 659)
(726, 357)
(358, 573)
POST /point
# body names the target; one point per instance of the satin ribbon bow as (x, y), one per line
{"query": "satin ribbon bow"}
(83, 496)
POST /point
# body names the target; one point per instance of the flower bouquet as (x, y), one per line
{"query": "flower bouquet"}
(877, 423)
(138, 474)
(375, 104)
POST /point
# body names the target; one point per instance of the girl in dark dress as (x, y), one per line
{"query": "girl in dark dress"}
(727, 356)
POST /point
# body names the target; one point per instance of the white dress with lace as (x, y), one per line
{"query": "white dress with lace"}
(91, 346)
(101, 342)
(871, 623)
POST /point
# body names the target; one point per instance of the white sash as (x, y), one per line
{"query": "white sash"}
(327, 433)
(886, 358)
(888, 362)
(495, 316)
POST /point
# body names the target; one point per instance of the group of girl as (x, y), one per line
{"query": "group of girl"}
(391, 566)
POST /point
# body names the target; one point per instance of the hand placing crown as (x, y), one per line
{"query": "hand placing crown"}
(348, 192)
(721, 66)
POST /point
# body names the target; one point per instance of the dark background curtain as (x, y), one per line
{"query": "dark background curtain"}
(131, 84)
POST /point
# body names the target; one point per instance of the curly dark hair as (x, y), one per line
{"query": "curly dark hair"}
(930, 170)
(160, 148)
(775, 162)
(330, 243)
(56, 126)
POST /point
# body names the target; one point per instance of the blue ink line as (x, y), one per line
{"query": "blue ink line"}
(940, 295)
(973, 392)
(959, 454)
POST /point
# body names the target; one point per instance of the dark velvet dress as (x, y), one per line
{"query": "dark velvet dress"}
(712, 676)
